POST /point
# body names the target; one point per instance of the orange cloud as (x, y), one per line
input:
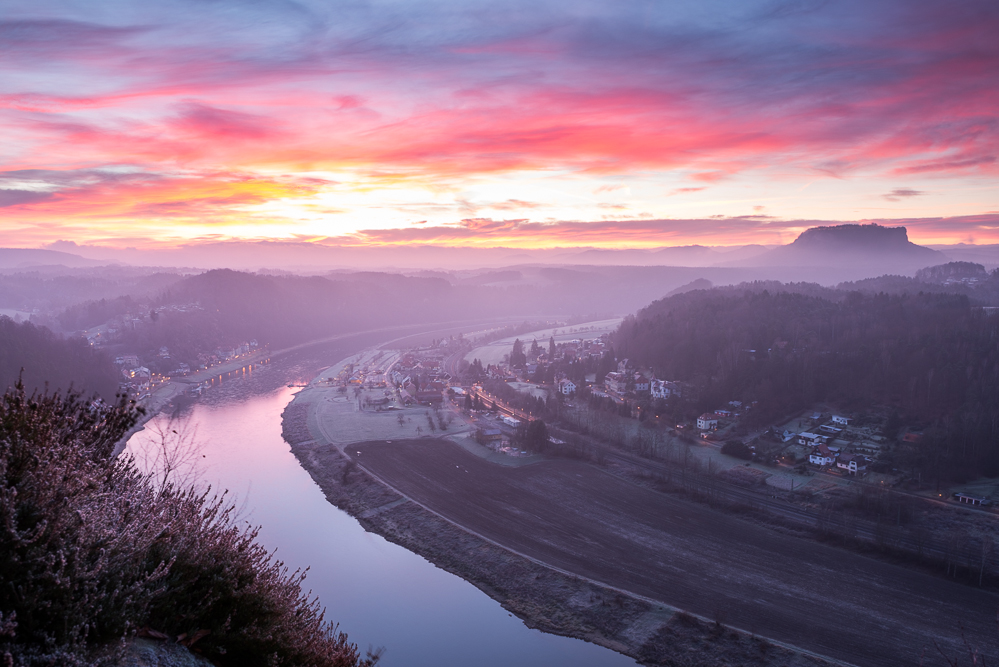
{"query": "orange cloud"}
(204, 197)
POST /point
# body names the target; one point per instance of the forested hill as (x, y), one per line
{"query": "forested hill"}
(933, 358)
(225, 307)
(47, 358)
(284, 310)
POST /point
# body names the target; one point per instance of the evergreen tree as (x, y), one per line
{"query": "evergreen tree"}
(517, 357)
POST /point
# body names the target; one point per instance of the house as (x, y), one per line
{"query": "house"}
(484, 435)
(821, 456)
(839, 419)
(429, 397)
(616, 382)
(723, 413)
(707, 422)
(663, 389)
(811, 439)
(567, 387)
(641, 383)
(851, 463)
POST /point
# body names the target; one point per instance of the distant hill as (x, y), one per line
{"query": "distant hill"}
(700, 283)
(953, 272)
(20, 258)
(964, 252)
(687, 255)
(965, 278)
(866, 250)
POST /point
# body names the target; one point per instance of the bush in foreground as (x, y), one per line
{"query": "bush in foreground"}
(92, 551)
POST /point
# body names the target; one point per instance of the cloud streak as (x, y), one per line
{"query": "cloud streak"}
(902, 193)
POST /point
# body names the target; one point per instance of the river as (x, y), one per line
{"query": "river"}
(381, 594)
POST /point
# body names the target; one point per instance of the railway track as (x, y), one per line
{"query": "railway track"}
(861, 529)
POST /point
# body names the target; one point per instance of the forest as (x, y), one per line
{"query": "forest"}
(225, 308)
(50, 360)
(929, 362)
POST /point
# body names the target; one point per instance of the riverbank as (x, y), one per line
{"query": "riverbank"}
(164, 395)
(546, 598)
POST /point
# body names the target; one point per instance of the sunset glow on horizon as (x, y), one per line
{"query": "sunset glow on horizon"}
(507, 124)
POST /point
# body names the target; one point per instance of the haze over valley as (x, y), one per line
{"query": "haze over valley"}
(353, 334)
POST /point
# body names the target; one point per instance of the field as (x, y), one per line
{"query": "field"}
(577, 518)
(494, 352)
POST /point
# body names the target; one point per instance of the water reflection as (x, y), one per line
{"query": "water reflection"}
(381, 594)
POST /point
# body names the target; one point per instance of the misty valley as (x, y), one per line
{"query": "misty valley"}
(506, 333)
(535, 463)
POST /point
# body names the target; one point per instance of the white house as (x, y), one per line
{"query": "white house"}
(811, 439)
(851, 463)
(663, 389)
(641, 382)
(616, 382)
(707, 422)
(821, 456)
(567, 387)
(838, 419)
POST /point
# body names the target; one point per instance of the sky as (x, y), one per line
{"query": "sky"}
(508, 123)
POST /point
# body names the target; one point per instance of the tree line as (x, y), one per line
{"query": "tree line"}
(48, 359)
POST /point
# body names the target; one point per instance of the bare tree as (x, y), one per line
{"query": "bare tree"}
(172, 454)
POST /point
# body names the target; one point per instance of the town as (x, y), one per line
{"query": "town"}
(560, 392)
(572, 384)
